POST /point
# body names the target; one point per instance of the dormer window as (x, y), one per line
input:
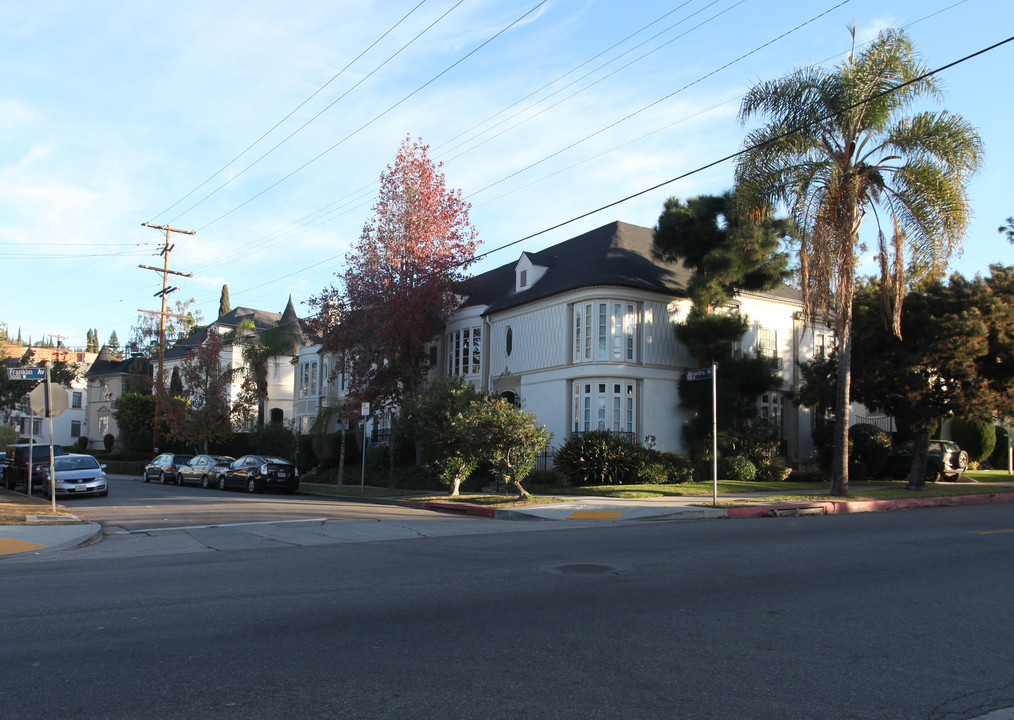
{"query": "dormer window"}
(527, 273)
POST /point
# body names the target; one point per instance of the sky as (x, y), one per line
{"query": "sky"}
(263, 127)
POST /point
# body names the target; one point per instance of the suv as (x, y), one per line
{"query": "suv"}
(17, 468)
(945, 459)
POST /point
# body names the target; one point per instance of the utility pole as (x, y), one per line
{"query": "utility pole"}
(163, 314)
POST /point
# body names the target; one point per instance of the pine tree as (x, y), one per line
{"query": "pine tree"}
(114, 345)
(223, 303)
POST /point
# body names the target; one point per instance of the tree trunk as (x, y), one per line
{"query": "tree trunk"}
(920, 453)
(846, 291)
(522, 493)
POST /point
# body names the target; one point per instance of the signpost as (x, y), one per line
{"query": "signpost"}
(711, 373)
(365, 412)
(47, 403)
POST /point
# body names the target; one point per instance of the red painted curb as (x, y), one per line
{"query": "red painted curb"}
(840, 507)
(462, 508)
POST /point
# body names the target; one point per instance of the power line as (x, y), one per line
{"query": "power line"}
(377, 117)
(745, 150)
(290, 114)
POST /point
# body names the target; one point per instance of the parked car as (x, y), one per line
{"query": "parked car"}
(204, 470)
(945, 459)
(257, 473)
(165, 468)
(16, 469)
(78, 475)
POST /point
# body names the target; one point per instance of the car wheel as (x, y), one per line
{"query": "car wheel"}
(179, 479)
(251, 485)
(145, 477)
(221, 483)
(104, 493)
(204, 482)
(161, 478)
(934, 474)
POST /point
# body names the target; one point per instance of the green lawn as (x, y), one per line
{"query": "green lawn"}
(984, 481)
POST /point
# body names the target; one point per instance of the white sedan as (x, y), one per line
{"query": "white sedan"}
(79, 475)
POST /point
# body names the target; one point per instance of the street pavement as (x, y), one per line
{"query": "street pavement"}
(46, 537)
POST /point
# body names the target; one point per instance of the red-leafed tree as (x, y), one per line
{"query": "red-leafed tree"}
(400, 283)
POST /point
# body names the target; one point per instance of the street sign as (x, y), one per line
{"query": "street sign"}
(26, 373)
(699, 374)
(57, 400)
(365, 410)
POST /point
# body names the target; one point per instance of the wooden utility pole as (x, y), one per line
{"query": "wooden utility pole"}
(163, 314)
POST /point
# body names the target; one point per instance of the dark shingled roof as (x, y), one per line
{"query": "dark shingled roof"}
(261, 320)
(617, 254)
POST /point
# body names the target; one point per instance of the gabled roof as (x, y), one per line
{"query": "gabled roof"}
(108, 364)
(261, 319)
(617, 255)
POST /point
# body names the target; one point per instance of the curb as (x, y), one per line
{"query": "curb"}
(848, 508)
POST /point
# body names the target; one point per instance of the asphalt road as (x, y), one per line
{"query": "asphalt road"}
(894, 615)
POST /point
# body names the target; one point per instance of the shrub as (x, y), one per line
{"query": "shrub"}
(652, 473)
(679, 468)
(81, 444)
(108, 440)
(543, 477)
(998, 460)
(736, 468)
(273, 439)
(598, 458)
(976, 437)
(870, 446)
(378, 459)
(811, 476)
(757, 443)
(773, 473)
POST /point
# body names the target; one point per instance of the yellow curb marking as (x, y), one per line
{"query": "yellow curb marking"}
(594, 515)
(991, 532)
(9, 546)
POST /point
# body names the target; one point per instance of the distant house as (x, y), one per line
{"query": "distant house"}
(245, 323)
(581, 334)
(108, 379)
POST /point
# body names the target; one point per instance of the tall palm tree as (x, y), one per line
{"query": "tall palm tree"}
(836, 146)
(259, 350)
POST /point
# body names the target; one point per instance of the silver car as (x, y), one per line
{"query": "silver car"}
(79, 475)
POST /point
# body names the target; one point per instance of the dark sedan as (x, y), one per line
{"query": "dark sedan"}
(257, 473)
(165, 468)
(204, 470)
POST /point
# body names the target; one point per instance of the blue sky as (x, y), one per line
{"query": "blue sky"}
(265, 126)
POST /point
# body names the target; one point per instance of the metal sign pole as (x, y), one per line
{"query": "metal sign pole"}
(365, 412)
(714, 432)
(52, 471)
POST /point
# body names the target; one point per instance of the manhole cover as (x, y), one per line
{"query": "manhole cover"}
(583, 569)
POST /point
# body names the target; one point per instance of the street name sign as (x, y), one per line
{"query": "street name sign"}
(699, 374)
(28, 373)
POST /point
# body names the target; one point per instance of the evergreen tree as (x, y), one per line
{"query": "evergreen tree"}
(727, 252)
(114, 345)
(223, 302)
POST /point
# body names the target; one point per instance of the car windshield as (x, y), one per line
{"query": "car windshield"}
(76, 463)
(276, 461)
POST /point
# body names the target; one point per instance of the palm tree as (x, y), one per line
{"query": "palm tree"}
(259, 350)
(837, 146)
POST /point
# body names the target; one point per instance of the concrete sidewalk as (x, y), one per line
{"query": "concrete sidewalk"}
(44, 537)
